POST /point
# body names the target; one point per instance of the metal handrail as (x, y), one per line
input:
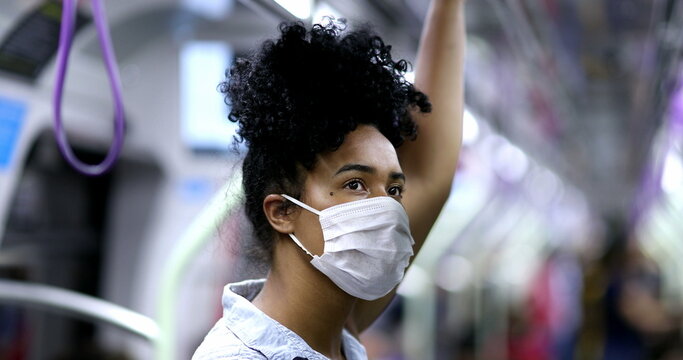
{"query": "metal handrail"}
(74, 303)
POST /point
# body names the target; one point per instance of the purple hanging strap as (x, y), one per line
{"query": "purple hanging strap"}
(65, 38)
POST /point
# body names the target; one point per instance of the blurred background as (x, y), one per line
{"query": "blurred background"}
(562, 238)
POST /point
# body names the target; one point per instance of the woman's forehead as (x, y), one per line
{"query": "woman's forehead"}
(364, 146)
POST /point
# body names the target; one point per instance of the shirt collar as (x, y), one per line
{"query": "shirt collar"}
(260, 332)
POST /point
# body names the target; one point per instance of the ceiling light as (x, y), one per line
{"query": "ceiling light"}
(470, 128)
(510, 162)
(298, 8)
(215, 9)
(672, 176)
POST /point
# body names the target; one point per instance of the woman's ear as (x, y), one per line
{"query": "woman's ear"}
(280, 217)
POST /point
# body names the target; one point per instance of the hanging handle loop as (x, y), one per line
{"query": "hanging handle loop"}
(65, 39)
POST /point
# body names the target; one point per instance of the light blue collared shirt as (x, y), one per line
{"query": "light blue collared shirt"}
(245, 332)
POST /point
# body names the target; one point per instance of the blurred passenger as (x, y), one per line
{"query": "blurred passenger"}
(623, 316)
(325, 114)
(526, 341)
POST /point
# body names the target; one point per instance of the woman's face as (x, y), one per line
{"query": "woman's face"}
(364, 166)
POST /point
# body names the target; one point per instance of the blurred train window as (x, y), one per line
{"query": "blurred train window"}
(203, 113)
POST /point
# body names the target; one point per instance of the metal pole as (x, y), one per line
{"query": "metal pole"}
(73, 303)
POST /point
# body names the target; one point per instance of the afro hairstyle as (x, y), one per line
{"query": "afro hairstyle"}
(300, 95)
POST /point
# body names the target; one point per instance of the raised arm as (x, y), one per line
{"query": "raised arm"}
(430, 161)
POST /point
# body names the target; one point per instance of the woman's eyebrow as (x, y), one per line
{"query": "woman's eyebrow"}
(356, 167)
(397, 176)
(394, 175)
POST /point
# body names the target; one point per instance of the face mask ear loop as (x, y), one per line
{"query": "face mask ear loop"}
(300, 244)
(307, 208)
(301, 204)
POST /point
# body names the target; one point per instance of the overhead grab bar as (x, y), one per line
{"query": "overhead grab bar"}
(65, 39)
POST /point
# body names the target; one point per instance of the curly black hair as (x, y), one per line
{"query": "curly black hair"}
(299, 96)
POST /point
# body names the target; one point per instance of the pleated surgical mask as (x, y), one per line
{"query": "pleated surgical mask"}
(367, 245)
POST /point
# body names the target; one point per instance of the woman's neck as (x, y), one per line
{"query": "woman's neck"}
(305, 301)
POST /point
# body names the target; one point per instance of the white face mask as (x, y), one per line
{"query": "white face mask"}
(367, 245)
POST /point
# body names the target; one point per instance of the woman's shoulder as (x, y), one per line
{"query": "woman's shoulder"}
(222, 344)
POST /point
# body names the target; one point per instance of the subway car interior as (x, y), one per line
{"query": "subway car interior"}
(562, 237)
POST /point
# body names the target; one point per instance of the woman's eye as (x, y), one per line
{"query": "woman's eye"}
(395, 191)
(355, 185)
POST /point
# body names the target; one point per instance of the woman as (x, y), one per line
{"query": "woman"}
(330, 184)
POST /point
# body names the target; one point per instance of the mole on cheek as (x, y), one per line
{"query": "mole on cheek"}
(331, 193)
